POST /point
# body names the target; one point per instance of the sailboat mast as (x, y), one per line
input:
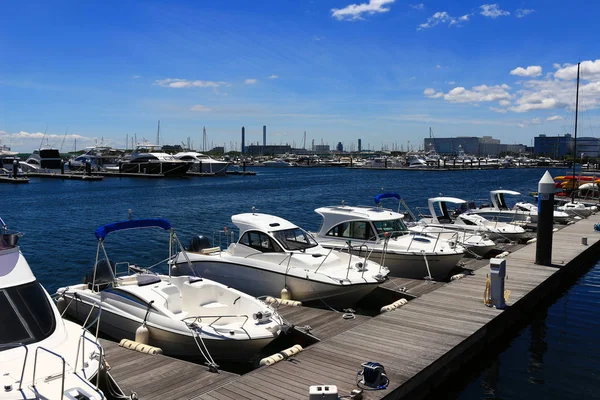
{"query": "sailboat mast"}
(576, 115)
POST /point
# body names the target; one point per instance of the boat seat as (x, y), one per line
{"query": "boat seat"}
(172, 298)
(205, 296)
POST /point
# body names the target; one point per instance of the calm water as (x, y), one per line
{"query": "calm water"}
(557, 356)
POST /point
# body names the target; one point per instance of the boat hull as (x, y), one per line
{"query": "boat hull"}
(258, 282)
(165, 168)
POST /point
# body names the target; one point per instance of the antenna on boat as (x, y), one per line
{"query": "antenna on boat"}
(253, 210)
(63, 141)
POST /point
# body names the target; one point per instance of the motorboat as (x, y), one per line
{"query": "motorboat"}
(273, 256)
(43, 159)
(383, 233)
(463, 220)
(415, 161)
(277, 162)
(185, 316)
(99, 157)
(42, 356)
(150, 159)
(521, 211)
(203, 163)
(577, 209)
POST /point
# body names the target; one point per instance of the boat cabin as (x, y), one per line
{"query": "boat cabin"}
(360, 223)
(446, 216)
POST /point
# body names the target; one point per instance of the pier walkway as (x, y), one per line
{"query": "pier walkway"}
(428, 339)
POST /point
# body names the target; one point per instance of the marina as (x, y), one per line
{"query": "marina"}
(442, 326)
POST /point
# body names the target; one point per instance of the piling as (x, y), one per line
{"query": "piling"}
(543, 253)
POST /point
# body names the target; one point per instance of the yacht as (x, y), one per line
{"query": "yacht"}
(185, 316)
(42, 159)
(521, 211)
(99, 157)
(415, 161)
(577, 209)
(203, 163)
(277, 162)
(150, 159)
(462, 220)
(383, 233)
(276, 258)
(42, 356)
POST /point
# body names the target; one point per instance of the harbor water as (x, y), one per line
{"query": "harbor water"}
(556, 356)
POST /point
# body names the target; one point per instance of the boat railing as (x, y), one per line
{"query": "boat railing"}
(51, 377)
(224, 238)
(198, 319)
(12, 345)
(99, 355)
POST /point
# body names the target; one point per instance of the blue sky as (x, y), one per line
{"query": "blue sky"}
(382, 70)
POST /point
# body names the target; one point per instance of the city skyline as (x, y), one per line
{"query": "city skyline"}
(380, 70)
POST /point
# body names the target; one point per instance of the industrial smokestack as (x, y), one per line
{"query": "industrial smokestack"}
(243, 140)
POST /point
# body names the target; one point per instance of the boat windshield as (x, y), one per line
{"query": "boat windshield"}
(393, 227)
(26, 316)
(295, 239)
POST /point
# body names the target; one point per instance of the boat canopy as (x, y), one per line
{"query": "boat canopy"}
(104, 230)
(387, 195)
(446, 200)
(502, 191)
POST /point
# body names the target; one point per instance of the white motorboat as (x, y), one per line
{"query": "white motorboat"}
(461, 219)
(42, 356)
(203, 163)
(577, 209)
(277, 162)
(383, 233)
(150, 159)
(185, 316)
(415, 161)
(273, 254)
(521, 211)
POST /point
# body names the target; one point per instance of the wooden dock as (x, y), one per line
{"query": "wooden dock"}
(11, 179)
(159, 377)
(429, 339)
(65, 176)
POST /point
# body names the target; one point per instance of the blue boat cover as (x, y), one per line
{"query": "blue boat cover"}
(386, 195)
(104, 230)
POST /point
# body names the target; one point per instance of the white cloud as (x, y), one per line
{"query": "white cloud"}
(554, 118)
(550, 92)
(354, 12)
(492, 11)
(451, 83)
(521, 12)
(250, 81)
(481, 93)
(438, 66)
(27, 141)
(200, 108)
(273, 76)
(135, 76)
(442, 17)
(531, 71)
(536, 121)
(499, 110)
(432, 94)
(419, 6)
(589, 70)
(184, 83)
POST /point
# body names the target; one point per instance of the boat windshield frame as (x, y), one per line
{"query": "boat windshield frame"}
(294, 239)
(391, 227)
(27, 315)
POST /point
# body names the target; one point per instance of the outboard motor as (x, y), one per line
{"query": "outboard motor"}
(199, 243)
(104, 275)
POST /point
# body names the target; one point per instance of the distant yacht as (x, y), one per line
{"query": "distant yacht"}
(150, 159)
(277, 162)
(203, 163)
(98, 156)
(43, 159)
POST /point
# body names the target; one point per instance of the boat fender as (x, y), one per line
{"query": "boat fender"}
(457, 277)
(281, 302)
(142, 348)
(503, 254)
(61, 304)
(285, 294)
(393, 306)
(532, 240)
(282, 355)
(142, 334)
(594, 209)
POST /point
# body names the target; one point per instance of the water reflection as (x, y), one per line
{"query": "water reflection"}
(537, 348)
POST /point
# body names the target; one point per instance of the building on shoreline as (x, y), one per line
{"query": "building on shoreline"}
(478, 146)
